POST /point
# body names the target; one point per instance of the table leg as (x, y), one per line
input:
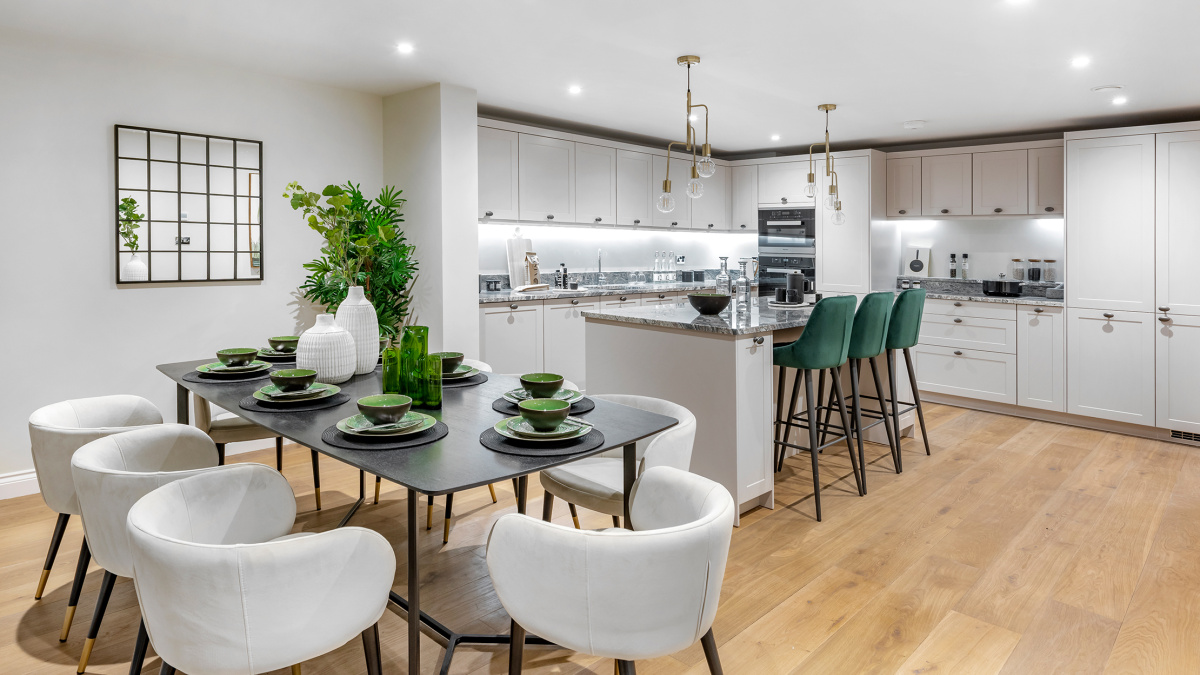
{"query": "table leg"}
(414, 589)
(522, 493)
(630, 477)
(181, 404)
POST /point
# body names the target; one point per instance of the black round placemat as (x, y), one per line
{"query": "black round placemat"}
(478, 378)
(281, 358)
(492, 440)
(436, 432)
(581, 407)
(195, 376)
(253, 404)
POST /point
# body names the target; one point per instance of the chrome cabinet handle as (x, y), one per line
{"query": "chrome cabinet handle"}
(1108, 315)
(743, 227)
(945, 210)
(1165, 319)
(1164, 309)
(549, 216)
(783, 200)
(574, 302)
(958, 321)
(997, 210)
(598, 219)
(758, 340)
(623, 298)
(902, 211)
(958, 304)
(488, 214)
(1038, 310)
(637, 221)
(674, 223)
(958, 353)
(710, 225)
(513, 306)
(1049, 209)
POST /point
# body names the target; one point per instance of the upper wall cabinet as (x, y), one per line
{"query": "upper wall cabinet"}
(1000, 182)
(946, 185)
(711, 210)
(595, 184)
(681, 172)
(635, 187)
(497, 174)
(546, 179)
(782, 184)
(904, 186)
(1177, 231)
(1046, 167)
(844, 251)
(745, 198)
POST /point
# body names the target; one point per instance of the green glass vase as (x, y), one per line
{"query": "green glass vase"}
(414, 349)
(392, 380)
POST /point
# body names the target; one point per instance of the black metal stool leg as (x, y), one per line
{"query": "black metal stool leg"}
(81, 568)
(60, 526)
(821, 403)
(912, 380)
(626, 668)
(779, 422)
(891, 366)
(370, 638)
(516, 649)
(813, 442)
(841, 397)
(887, 424)
(139, 650)
(856, 406)
(787, 436)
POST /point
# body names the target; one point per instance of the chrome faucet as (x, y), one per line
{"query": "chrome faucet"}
(600, 278)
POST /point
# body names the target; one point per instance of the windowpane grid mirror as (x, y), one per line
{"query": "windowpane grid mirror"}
(200, 201)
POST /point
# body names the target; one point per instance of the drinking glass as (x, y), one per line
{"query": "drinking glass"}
(431, 380)
(414, 348)
(392, 380)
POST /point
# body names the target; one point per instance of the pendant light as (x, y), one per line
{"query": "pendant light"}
(703, 165)
(833, 200)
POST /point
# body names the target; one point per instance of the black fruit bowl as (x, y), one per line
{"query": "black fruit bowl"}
(709, 303)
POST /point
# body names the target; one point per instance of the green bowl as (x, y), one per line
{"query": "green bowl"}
(384, 408)
(238, 356)
(450, 361)
(284, 343)
(293, 379)
(544, 414)
(542, 385)
(709, 303)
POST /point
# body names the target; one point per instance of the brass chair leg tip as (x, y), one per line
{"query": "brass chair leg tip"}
(575, 519)
(318, 493)
(66, 629)
(41, 585)
(446, 532)
(87, 655)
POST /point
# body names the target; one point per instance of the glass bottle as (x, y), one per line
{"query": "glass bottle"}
(964, 267)
(1050, 271)
(657, 262)
(414, 347)
(743, 287)
(723, 285)
(953, 267)
(1034, 271)
(1016, 269)
(671, 261)
(431, 382)
(392, 381)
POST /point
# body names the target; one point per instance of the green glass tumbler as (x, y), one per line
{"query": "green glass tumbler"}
(414, 348)
(431, 378)
(392, 381)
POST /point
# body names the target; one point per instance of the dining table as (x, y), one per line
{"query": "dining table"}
(456, 462)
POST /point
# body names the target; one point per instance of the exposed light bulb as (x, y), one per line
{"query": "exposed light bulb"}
(405, 48)
(665, 202)
(839, 216)
(831, 202)
(706, 167)
(810, 190)
(695, 189)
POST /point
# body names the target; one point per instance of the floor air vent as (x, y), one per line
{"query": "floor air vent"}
(1186, 436)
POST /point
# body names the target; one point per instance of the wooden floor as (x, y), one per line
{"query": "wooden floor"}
(1018, 547)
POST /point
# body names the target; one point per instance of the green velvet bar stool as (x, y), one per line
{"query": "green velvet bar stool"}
(902, 335)
(822, 346)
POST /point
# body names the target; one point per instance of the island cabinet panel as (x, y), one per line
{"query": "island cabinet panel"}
(498, 174)
(782, 184)
(1001, 182)
(744, 198)
(635, 188)
(1047, 168)
(510, 336)
(1110, 365)
(1042, 357)
(595, 184)
(564, 346)
(547, 179)
(946, 185)
(904, 186)
(755, 448)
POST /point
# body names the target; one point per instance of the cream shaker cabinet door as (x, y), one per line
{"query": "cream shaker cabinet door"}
(1177, 357)
(635, 188)
(904, 186)
(844, 251)
(1000, 182)
(498, 174)
(745, 198)
(946, 185)
(563, 348)
(510, 336)
(595, 184)
(680, 218)
(547, 179)
(1041, 358)
(1046, 174)
(1177, 228)
(711, 211)
(782, 184)
(1110, 368)
(1110, 223)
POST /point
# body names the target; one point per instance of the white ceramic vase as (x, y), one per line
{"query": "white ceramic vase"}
(134, 269)
(328, 349)
(357, 315)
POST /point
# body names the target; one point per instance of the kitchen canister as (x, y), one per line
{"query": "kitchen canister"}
(357, 315)
(328, 349)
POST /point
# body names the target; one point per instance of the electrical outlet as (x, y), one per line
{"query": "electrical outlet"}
(183, 215)
(182, 240)
(680, 259)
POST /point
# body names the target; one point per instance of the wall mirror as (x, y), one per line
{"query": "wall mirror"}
(200, 202)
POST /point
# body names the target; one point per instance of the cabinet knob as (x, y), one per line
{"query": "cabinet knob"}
(710, 226)
(957, 353)
(997, 210)
(758, 340)
(1164, 309)
(958, 321)
(549, 216)
(1049, 209)
(574, 302)
(513, 306)
(623, 298)
(1038, 310)
(902, 211)
(661, 296)
(1109, 315)
(1165, 319)
(743, 227)
(488, 214)
(637, 221)
(783, 200)
(598, 219)
(674, 223)
(945, 210)
(958, 304)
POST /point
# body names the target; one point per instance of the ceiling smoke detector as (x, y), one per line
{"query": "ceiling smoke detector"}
(914, 124)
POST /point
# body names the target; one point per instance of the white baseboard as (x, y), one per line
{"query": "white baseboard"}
(18, 484)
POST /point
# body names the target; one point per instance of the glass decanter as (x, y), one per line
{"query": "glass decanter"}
(723, 285)
(742, 287)
(392, 381)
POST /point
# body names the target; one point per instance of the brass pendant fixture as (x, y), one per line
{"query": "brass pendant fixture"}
(703, 165)
(833, 201)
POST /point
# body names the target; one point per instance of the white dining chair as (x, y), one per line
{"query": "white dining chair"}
(224, 588)
(56, 431)
(111, 474)
(479, 365)
(598, 483)
(621, 594)
(226, 427)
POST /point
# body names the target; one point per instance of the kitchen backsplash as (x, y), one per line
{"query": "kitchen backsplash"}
(975, 286)
(591, 278)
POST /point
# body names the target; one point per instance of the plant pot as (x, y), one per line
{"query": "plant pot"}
(134, 269)
(328, 349)
(357, 315)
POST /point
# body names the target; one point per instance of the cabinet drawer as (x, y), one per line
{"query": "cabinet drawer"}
(989, 376)
(991, 335)
(962, 308)
(610, 302)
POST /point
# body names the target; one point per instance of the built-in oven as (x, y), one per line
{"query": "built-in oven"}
(787, 231)
(773, 271)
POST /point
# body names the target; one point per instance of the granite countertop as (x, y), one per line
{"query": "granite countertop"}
(554, 293)
(1037, 300)
(761, 318)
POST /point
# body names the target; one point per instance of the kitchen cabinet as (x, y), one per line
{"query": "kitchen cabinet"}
(965, 308)
(1046, 167)
(510, 336)
(610, 302)
(992, 335)
(1177, 366)
(744, 180)
(1177, 227)
(711, 211)
(946, 185)
(1041, 357)
(1110, 372)
(989, 376)
(498, 174)
(635, 188)
(595, 184)
(663, 298)
(1000, 182)
(782, 184)
(753, 404)
(844, 251)
(1110, 224)
(904, 186)
(564, 351)
(681, 172)
(546, 178)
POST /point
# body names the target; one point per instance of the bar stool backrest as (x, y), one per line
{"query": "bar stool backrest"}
(826, 337)
(906, 319)
(871, 323)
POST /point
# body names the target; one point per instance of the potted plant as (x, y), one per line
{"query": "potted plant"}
(128, 220)
(366, 266)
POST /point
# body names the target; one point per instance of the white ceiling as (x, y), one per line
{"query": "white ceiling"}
(971, 68)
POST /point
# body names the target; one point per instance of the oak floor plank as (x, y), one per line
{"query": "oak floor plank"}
(962, 644)
(1063, 639)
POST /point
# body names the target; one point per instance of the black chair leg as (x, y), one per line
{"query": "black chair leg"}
(449, 514)
(912, 380)
(316, 477)
(828, 405)
(139, 649)
(856, 406)
(220, 454)
(429, 514)
(370, 638)
(787, 436)
(710, 653)
(106, 586)
(279, 454)
(166, 669)
(626, 668)
(574, 515)
(547, 506)
(60, 526)
(81, 568)
(779, 414)
(891, 366)
(813, 442)
(837, 390)
(516, 649)
(887, 425)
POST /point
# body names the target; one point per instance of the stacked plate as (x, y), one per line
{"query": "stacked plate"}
(463, 371)
(219, 369)
(517, 395)
(413, 422)
(519, 429)
(315, 392)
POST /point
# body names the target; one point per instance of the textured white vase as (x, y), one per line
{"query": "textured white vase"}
(328, 349)
(134, 269)
(357, 315)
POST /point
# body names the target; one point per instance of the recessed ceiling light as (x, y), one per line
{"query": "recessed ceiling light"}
(575, 89)
(405, 48)
(914, 124)
(774, 137)
(1119, 100)
(1081, 61)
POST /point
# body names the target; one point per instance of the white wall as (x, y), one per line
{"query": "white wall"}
(69, 331)
(992, 243)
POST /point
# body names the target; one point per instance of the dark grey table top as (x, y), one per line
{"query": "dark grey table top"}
(456, 462)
